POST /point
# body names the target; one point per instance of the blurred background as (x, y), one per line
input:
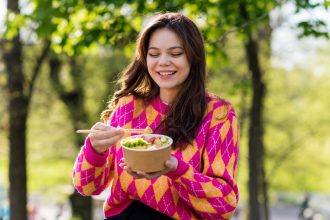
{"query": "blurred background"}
(59, 61)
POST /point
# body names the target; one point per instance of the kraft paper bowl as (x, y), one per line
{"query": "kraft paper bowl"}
(147, 160)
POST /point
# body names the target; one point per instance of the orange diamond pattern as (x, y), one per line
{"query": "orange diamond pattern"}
(141, 186)
(160, 186)
(202, 205)
(86, 165)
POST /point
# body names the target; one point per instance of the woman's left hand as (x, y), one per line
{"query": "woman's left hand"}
(170, 164)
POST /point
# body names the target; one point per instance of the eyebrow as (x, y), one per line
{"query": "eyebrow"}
(171, 48)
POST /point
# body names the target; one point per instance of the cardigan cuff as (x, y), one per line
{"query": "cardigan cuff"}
(92, 156)
(180, 170)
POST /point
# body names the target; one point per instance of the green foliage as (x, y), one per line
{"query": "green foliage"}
(326, 4)
(316, 28)
(14, 23)
(297, 131)
(100, 82)
(74, 26)
(303, 4)
(77, 26)
(230, 78)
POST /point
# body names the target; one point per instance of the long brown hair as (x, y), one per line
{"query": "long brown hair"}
(186, 112)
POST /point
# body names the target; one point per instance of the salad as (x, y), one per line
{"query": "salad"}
(141, 142)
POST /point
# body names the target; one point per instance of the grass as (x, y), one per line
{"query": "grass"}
(51, 177)
(47, 177)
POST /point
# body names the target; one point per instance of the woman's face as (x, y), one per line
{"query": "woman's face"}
(167, 62)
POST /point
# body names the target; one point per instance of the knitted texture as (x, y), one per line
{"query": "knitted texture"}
(202, 187)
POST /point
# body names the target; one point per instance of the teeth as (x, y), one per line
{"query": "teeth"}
(165, 73)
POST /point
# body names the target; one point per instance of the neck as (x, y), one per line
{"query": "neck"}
(167, 97)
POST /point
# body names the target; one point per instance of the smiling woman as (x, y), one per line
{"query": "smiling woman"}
(164, 89)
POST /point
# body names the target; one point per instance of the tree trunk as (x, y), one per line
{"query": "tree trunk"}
(258, 199)
(18, 110)
(19, 95)
(74, 100)
(257, 185)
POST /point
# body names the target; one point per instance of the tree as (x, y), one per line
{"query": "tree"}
(20, 90)
(74, 100)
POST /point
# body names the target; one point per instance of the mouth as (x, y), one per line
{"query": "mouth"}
(163, 73)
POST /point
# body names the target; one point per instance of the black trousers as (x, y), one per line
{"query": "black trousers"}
(138, 211)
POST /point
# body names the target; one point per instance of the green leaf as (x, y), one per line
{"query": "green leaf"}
(13, 23)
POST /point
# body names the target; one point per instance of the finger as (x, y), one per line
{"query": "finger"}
(169, 164)
(99, 126)
(108, 141)
(109, 133)
(141, 173)
(104, 127)
(128, 169)
(121, 164)
(151, 175)
(172, 163)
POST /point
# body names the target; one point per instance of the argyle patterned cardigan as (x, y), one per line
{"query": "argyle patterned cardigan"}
(202, 187)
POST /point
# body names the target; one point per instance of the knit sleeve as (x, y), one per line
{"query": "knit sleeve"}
(92, 172)
(213, 192)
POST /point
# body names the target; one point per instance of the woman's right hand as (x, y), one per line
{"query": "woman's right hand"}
(102, 141)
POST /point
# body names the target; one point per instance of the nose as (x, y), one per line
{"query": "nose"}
(164, 60)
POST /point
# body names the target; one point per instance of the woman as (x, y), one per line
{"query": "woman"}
(164, 88)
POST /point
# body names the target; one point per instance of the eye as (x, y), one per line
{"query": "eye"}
(153, 54)
(176, 54)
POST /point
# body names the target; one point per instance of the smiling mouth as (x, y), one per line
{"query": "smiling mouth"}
(166, 73)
